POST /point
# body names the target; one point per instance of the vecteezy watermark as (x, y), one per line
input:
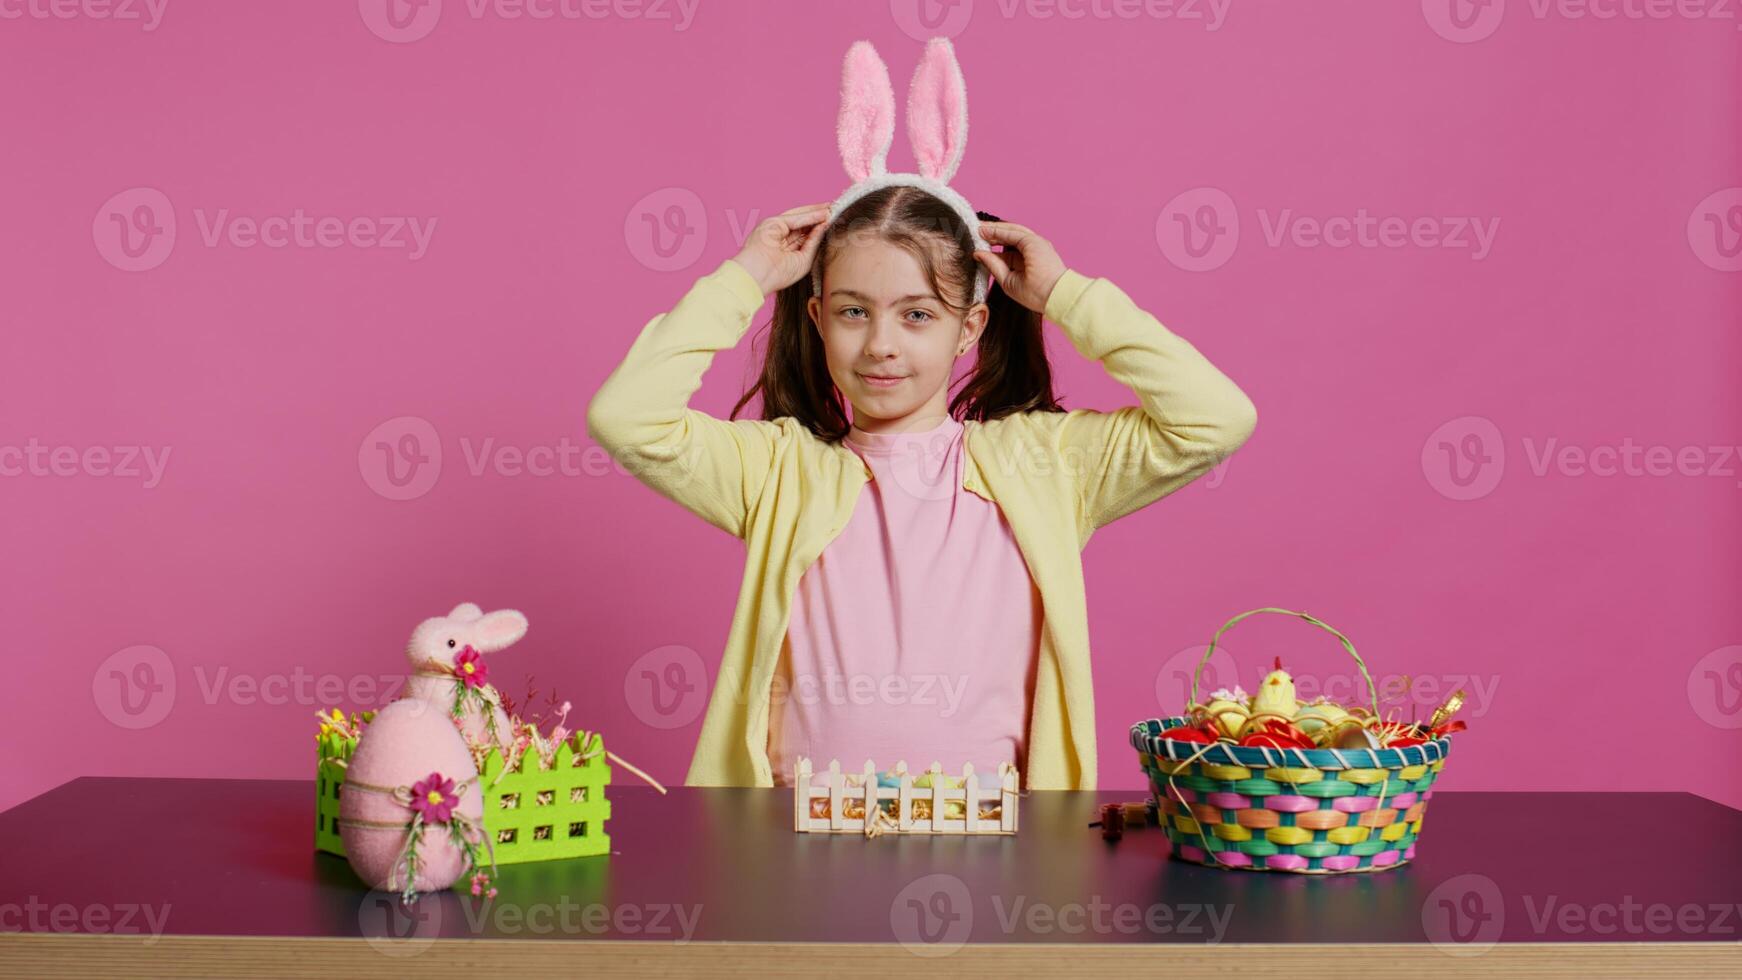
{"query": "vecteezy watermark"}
(405, 21)
(1102, 918)
(1469, 21)
(934, 916)
(667, 229)
(35, 459)
(1715, 687)
(135, 230)
(136, 687)
(1422, 692)
(1173, 680)
(1464, 915)
(1715, 230)
(666, 687)
(299, 686)
(941, 691)
(564, 917)
(148, 14)
(1465, 458)
(1199, 230)
(111, 918)
(1628, 917)
(401, 459)
(399, 930)
(925, 19)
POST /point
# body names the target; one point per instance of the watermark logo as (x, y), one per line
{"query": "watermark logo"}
(941, 691)
(923, 20)
(400, 21)
(114, 919)
(401, 459)
(1468, 21)
(394, 928)
(569, 918)
(1463, 21)
(1173, 682)
(933, 915)
(147, 13)
(134, 230)
(406, 21)
(667, 229)
(37, 459)
(1715, 687)
(666, 687)
(929, 472)
(1464, 915)
(134, 688)
(1715, 230)
(1464, 458)
(1199, 229)
(1103, 918)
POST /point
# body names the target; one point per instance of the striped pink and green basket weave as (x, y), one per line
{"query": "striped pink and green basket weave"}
(1311, 811)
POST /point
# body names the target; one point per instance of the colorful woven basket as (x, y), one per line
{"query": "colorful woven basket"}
(1310, 811)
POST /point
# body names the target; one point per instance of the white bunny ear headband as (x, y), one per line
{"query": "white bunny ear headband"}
(937, 127)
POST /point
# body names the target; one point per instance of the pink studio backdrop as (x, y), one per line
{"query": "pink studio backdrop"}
(1492, 439)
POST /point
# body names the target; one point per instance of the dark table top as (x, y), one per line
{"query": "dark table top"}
(237, 858)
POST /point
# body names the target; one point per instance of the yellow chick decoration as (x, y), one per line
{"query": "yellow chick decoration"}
(1275, 697)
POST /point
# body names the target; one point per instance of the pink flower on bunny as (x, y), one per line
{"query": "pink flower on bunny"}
(448, 668)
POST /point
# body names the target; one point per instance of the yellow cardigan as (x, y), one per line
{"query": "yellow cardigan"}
(1057, 476)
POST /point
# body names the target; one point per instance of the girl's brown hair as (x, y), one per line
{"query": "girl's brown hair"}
(1011, 373)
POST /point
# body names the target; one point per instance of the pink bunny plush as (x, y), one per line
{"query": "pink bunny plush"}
(448, 668)
(937, 128)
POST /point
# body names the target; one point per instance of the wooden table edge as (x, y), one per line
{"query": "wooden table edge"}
(64, 954)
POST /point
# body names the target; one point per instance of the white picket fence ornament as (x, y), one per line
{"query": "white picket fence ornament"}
(854, 803)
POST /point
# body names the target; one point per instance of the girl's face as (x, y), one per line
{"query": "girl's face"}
(890, 342)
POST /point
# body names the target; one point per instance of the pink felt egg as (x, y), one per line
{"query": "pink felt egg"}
(406, 742)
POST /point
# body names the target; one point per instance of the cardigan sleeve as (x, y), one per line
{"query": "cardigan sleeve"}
(712, 467)
(1190, 416)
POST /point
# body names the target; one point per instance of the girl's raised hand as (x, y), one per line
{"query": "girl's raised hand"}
(780, 250)
(1028, 267)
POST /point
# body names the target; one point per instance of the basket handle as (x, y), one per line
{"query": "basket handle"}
(1372, 690)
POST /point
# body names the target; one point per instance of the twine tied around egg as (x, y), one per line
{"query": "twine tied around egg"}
(465, 831)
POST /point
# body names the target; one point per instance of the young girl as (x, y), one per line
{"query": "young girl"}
(913, 583)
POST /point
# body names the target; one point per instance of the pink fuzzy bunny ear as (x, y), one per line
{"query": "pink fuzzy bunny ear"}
(867, 122)
(937, 111)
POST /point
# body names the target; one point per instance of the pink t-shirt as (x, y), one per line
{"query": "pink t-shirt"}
(916, 633)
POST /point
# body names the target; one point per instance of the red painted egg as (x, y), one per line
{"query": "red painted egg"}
(1184, 734)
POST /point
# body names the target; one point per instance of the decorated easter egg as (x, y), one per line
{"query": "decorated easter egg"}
(1276, 734)
(1228, 715)
(1319, 719)
(407, 743)
(1188, 733)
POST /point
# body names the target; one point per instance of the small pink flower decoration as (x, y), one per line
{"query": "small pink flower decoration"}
(470, 667)
(434, 798)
